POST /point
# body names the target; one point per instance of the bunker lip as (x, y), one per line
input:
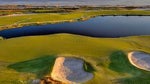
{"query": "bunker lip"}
(140, 60)
(70, 70)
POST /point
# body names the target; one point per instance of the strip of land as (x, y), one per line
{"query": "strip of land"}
(13, 21)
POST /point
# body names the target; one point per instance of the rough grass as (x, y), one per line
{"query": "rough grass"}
(120, 64)
(39, 66)
(88, 67)
(106, 56)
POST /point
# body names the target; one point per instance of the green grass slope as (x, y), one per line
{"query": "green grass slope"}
(1, 38)
(33, 57)
(39, 66)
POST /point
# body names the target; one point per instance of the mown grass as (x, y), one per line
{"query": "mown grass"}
(43, 18)
(26, 48)
(106, 57)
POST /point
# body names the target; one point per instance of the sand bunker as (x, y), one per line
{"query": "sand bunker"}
(140, 60)
(70, 71)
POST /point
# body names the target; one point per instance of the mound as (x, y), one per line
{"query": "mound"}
(70, 70)
(140, 60)
(1, 38)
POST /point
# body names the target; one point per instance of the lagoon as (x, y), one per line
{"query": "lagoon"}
(101, 26)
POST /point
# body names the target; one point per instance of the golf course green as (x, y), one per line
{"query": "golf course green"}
(24, 59)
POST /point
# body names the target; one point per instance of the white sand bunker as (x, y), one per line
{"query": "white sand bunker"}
(140, 60)
(70, 71)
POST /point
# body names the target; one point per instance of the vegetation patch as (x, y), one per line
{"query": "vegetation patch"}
(119, 63)
(40, 66)
(88, 67)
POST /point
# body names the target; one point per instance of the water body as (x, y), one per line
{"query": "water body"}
(78, 2)
(107, 26)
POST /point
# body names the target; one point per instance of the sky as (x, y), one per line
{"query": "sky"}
(78, 2)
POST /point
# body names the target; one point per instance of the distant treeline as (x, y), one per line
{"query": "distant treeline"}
(20, 7)
(26, 9)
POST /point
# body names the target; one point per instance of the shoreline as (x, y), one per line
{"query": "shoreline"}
(57, 21)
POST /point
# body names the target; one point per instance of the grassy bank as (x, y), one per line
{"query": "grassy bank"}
(45, 18)
(32, 57)
(1, 38)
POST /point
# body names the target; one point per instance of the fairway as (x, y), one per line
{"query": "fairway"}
(74, 42)
(32, 57)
